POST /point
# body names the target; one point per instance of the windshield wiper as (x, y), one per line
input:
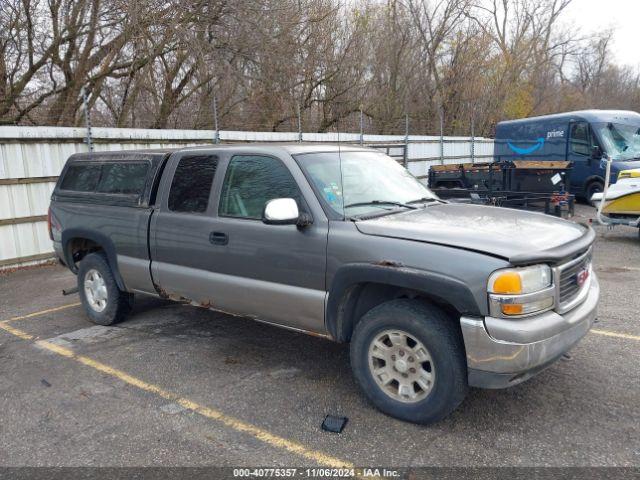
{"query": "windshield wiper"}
(424, 200)
(381, 202)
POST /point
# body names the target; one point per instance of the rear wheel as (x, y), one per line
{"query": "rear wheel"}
(103, 301)
(408, 357)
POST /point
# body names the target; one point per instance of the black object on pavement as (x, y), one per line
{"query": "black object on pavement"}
(334, 424)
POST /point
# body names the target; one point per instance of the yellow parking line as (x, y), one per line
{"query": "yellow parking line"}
(607, 333)
(15, 331)
(43, 312)
(211, 413)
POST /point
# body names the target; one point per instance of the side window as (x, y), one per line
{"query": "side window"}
(124, 178)
(250, 182)
(580, 141)
(81, 178)
(191, 183)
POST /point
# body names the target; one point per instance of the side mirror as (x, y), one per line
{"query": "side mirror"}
(281, 211)
(596, 152)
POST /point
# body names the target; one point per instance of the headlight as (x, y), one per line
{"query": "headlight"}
(521, 291)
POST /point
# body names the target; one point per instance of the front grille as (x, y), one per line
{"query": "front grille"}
(568, 288)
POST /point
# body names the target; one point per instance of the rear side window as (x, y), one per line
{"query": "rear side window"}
(81, 178)
(123, 178)
(191, 185)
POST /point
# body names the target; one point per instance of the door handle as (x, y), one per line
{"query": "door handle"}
(218, 238)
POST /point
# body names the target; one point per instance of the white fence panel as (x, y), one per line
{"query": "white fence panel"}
(24, 200)
(32, 157)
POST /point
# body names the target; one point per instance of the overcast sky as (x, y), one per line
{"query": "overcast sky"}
(621, 15)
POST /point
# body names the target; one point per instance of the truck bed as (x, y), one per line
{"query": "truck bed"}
(119, 219)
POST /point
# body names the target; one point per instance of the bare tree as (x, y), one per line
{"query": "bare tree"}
(272, 63)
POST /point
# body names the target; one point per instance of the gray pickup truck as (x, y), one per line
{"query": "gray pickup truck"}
(340, 242)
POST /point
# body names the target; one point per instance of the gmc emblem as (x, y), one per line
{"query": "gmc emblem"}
(582, 276)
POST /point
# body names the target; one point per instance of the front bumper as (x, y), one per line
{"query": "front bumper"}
(504, 352)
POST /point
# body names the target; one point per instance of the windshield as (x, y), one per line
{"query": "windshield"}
(370, 182)
(621, 141)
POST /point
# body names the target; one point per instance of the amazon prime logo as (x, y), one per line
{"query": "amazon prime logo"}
(555, 134)
(539, 143)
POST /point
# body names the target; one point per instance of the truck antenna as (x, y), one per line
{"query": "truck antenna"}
(344, 217)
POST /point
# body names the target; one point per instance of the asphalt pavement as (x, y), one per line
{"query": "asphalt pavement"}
(177, 385)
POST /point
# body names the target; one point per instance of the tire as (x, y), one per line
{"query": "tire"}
(446, 366)
(103, 302)
(593, 187)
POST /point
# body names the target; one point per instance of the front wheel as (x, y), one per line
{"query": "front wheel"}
(592, 189)
(409, 359)
(103, 301)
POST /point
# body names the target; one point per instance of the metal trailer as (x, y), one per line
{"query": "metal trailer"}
(528, 185)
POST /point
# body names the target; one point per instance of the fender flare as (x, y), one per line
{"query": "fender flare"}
(105, 242)
(436, 285)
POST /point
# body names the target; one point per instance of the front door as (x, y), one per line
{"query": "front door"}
(581, 142)
(280, 269)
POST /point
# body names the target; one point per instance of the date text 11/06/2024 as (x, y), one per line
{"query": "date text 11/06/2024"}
(316, 472)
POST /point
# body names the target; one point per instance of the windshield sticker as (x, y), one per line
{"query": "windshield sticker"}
(332, 193)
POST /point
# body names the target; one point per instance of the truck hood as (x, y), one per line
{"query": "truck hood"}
(518, 236)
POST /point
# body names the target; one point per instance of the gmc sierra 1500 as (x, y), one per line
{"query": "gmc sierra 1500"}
(336, 241)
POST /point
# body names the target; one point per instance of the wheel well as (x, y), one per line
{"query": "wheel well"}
(591, 181)
(79, 248)
(362, 297)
